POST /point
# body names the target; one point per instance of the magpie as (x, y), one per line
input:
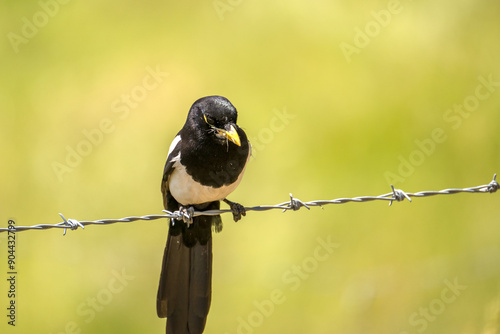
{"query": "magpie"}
(205, 163)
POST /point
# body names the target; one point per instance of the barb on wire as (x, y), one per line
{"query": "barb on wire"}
(294, 204)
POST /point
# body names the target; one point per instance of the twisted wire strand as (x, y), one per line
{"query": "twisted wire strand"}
(294, 204)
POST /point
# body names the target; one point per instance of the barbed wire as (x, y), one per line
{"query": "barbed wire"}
(294, 204)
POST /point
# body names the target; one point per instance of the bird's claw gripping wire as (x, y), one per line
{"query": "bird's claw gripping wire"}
(398, 195)
(186, 215)
(296, 204)
(73, 224)
(237, 209)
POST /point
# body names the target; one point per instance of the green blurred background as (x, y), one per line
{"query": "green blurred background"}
(325, 123)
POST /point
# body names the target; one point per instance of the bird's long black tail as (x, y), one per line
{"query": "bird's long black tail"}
(185, 288)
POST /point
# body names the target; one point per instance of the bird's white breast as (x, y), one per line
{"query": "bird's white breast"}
(187, 191)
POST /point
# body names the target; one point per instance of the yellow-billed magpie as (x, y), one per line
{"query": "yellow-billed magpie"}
(205, 163)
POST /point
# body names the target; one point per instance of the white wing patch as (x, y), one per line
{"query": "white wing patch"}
(176, 141)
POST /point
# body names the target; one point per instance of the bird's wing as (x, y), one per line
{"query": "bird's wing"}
(173, 156)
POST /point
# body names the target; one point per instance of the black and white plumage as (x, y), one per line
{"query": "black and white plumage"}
(205, 163)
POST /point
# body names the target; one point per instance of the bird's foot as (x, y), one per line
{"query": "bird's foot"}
(237, 209)
(187, 214)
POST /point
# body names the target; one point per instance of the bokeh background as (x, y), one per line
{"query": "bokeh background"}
(335, 97)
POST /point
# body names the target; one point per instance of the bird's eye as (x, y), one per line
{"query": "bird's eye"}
(209, 120)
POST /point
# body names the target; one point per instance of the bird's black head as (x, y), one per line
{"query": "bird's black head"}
(216, 116)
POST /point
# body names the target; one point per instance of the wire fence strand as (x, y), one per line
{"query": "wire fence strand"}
(294, 204)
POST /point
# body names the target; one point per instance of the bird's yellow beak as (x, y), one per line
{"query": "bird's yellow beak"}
(231, 135)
